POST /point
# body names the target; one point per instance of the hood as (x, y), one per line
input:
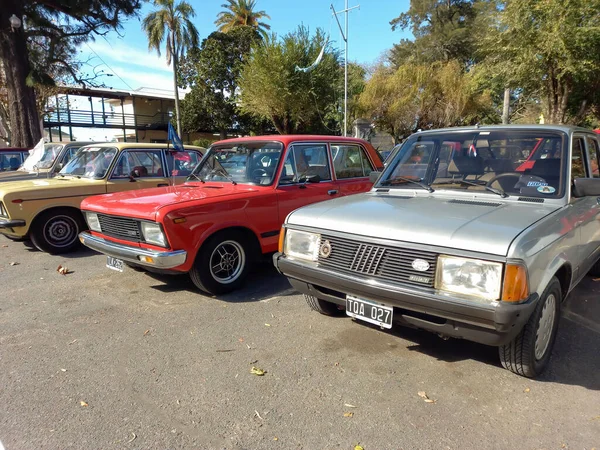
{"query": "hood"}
(486, 226)
(52, 188)
(17, 175)
(145, 203)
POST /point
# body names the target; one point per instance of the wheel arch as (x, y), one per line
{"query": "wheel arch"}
(52, 208)
(250, 236)
(561, 268)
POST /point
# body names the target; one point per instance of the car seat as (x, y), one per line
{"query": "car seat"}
(14, 163)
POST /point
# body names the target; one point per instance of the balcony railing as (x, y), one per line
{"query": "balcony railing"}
(77, 118)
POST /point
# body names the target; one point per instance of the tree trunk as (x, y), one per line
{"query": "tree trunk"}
(176, 91)
(22, 109)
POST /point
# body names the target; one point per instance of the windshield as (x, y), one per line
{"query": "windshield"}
(51, 151)
(90, 162)
(241, 162)
(506, 162)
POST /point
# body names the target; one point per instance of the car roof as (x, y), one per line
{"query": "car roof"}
(288, 138)
(123, 145)
(564, 128)
(14, 149)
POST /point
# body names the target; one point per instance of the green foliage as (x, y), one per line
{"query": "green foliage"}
(212, 72)
(204, 143)
(241, 13)
(414, 96)
(295, 102)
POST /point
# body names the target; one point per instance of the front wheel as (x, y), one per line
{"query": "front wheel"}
(529, 352)
(222, 263)
(57, 231)
(323, 306)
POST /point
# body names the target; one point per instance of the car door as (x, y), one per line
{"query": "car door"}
(138, 169)
(352, 167)
(181, 164)
(590, 218)
(293, 190)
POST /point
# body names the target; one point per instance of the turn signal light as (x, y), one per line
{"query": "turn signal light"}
(516, 285)
(281, 239)
(147, 259)
(179, 220)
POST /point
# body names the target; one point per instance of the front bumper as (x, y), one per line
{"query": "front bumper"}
(491, 324)
(7, 223)
(161, 260)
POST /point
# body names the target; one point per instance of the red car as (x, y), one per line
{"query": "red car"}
(230, 210)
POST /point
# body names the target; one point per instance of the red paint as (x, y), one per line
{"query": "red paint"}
(213, 206)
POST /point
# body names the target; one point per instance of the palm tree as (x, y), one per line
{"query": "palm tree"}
(239, 13)
(171, 20)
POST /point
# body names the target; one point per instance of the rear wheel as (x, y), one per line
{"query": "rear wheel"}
(595, 270)
(529, 352)
(323, 306)
(57, 231)
(222, 263)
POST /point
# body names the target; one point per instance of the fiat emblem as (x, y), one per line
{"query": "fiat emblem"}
(420, 265)
(325, 249)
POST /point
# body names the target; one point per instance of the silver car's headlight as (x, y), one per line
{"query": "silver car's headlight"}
(92, 221)
(301, 245)
(471, 277)
(153, 234)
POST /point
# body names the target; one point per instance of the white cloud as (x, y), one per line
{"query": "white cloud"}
(123, 53)
(139, 78)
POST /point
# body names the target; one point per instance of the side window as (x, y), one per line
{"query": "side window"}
(350, 161)
(182, 163)
(311, 160)
(577, 159)
(593, 154)
(288, 172)
(137, 163)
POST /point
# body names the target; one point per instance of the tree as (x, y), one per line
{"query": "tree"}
(212, 72)
(294, 101)
(171, 23)
(241, 13)
(56, 25)
(548, 51)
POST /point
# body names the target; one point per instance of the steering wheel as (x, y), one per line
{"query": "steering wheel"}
(516, 175)
(259, 173)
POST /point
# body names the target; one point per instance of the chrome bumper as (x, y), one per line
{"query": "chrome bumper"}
(6, 223)
(136, 255)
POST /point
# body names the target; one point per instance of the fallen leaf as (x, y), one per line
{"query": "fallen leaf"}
(5, 246)
(596, 418)
(241, 339)
(428, 400)
(275, 438)
(63, 270)
(267, 324)
(595, 279)
(358, 447)
(82, 403)
(133, 436)
(14, 263)
(257, 371)
(348, 414)
(527, 390)
(146, 332)
(254, 362)
(257, 415)
(348, 405)
(422, 394)
(73, 341)
(63, 370)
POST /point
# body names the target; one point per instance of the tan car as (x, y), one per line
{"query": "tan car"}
(47, 210)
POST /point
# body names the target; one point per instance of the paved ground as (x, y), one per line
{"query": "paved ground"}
(101, 360)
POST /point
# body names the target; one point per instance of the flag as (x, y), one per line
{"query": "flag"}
(176, 140)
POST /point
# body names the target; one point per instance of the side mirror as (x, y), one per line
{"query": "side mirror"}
(586, 187)
(374, 176)
(134, 174)
(59, 167)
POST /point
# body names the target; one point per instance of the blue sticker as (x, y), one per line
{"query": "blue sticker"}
(546, 189)
(536, 183)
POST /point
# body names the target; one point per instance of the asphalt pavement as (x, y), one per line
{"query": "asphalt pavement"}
(97, 359)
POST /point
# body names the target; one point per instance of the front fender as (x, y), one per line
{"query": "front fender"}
(541, 274)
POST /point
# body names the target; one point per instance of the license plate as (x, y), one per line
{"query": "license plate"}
(369, 311)
(114, 264)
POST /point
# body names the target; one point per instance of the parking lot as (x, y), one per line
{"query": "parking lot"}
(97, 359)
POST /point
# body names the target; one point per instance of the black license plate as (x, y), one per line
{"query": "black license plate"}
(369, 311)
(114, 264)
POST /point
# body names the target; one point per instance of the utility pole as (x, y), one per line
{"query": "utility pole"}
(344, 33)
(506, 106)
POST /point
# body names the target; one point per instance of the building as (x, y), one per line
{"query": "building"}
(141, 115)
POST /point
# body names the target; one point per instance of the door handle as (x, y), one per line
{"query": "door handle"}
(332, 192)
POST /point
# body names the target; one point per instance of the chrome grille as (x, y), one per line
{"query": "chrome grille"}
(378, 261)
(120, 227)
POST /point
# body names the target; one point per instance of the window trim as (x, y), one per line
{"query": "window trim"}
(133, 149)
(353, 144)
(588, 138)
(289, 148)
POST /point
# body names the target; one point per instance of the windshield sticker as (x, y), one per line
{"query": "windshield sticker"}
(546, 189)
(536, 184)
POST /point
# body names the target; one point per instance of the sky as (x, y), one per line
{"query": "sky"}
(126, 56)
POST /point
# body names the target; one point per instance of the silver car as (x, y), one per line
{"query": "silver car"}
(477, 233)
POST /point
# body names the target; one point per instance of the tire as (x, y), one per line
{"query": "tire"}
(595, 270)
(57, 231)
(322, 306)
(222, 263)
(529, 352)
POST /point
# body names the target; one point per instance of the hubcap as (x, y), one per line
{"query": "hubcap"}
(60, 231)
(544, 331)
(227, 262)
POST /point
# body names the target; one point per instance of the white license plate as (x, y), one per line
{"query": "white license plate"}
(369, 311)
(114, 264)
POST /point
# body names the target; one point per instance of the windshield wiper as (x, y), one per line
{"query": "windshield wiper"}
(196, 177)
(391, 181)
(499, 192)
(225, 174)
